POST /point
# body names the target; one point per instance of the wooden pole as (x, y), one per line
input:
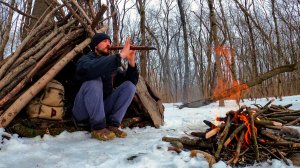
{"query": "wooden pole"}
(22, 101)
(12, 59)
(65, 40)
(223, 137)
(238, 148)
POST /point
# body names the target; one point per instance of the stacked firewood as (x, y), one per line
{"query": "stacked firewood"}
(247, 135)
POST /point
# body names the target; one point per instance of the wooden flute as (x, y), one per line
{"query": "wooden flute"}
(132, 48)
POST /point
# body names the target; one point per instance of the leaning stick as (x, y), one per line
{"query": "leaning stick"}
(98, 16)
(18, 51)
(33, 50)
(23, 100)
(212, 132)
(210, 124)
(235, 132)
(10, 76)
(238, 148)
(17, 10)
(223, 137)
(267, 122)
(271, 136)
(82, 11)
(189, 142)
(293, 122)
(253, 135)
(65, 40)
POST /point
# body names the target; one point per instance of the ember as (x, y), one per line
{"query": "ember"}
(248, 135)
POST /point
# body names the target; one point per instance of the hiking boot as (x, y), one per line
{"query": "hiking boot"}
(103, 134)
(119, 133)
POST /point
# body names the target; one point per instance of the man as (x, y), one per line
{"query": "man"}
(97, 101)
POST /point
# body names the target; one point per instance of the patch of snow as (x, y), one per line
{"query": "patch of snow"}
(142, 148)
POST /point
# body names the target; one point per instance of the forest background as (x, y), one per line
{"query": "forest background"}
(203, 46)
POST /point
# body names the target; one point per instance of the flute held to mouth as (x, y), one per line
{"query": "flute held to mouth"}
(132, 48)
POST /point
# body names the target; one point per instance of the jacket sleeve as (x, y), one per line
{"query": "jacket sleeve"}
(89, 67)
(131, 74)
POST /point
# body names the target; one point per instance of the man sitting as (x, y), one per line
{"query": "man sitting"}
(97, 101)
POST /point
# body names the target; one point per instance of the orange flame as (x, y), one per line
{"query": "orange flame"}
(248, 133)
(228, 87)
(263, 140)
(224, 51)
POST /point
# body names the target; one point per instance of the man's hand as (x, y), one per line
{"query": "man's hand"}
(127, 53)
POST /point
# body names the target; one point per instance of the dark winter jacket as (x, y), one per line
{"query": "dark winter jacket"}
(91, 66)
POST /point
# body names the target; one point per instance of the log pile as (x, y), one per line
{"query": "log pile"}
(248, 135)
(59, 37)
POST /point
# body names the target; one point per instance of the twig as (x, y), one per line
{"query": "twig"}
(282, 157)
(238, 148)
(271, 152)
(98, 16)
(87, 28)
(17, 10)
(265, 106)
(22, 101)
(235, 132)
(212, 132)
(82, 11)
(223, 137)
(293, 122)
(267, 122)
(258, 113)
(210, 124)
(189, 142)
(253, 132)
(12, 59)
(271, 136)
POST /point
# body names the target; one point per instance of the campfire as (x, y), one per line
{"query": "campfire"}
(246, 136)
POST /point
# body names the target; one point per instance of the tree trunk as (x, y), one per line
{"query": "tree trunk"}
(186, 80)
(115, 25)
(38, 10)
(7, 31)
(26, 20)
(143, 58)
(214, 30)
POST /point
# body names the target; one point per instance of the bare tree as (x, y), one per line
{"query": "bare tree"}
(39, 8)
(115, 21)
(214, 32)
(141, 9)
(5, 37)
(25, 20)
(186, 52)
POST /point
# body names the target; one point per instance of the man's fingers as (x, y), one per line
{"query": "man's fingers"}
(127, 43)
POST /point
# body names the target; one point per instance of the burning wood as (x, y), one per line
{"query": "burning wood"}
(251, 134)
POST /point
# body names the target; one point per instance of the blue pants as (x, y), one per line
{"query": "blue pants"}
(90, 106)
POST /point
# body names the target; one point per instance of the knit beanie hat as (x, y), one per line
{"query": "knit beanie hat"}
(97, 38)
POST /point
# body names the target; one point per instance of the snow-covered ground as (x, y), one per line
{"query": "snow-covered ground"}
(142, 148)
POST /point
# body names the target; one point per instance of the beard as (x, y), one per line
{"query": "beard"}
(101, 52)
